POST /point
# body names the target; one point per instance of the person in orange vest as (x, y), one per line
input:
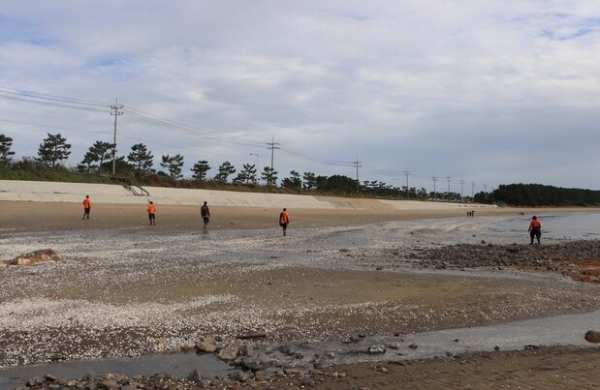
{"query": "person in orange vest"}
(151, 212)
(87, 205)
(284, 219)
(535, 230)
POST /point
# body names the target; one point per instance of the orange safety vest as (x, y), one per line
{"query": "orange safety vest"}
(151, 209)
(87, 204)
(535, 224)
(284, 217)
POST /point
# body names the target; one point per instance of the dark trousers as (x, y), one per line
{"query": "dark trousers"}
(535, 233)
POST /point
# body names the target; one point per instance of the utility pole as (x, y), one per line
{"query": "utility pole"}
(116, 114)
(472, 189)
(407, 174)
(434, 180)
(357, 165)
(272, 145)
(448, 179)
(462, 182)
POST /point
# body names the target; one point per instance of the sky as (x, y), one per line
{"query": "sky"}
(447, 95)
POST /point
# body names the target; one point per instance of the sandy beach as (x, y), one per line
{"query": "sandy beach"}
(338, 275)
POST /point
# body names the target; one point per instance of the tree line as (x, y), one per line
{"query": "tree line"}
(138, 168)
(538, 195)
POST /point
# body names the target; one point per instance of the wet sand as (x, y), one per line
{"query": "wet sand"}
(307, 298)
(65, 216)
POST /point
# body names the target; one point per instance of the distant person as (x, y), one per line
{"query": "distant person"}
(284, 219)
(87, 205)
(535, 230)
(205, 214)
(151, 212)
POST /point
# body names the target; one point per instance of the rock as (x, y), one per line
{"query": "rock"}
(108, 384)
(250, 363)
(377, 349)
(260, 376)
(307, 381)
(247, 349)
(32, 382)
(592, 336)
(207, 345)
(50, 378)
(194, 376)
(229, 353)
(36, 257)
(243, 376)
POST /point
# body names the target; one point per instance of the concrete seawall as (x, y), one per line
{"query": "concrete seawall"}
(38, 191)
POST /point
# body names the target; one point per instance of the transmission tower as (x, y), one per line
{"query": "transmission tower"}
(272, 145)
(116, 114)
(357, 164)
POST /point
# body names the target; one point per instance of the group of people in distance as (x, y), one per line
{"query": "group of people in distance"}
(284, 217)
(535, 226)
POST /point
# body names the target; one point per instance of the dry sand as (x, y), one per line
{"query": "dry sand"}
(307, 299)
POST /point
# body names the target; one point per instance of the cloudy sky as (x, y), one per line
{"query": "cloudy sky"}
(472, 93)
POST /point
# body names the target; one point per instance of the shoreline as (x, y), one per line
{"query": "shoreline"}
(40, 216)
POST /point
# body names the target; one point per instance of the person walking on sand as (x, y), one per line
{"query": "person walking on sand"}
(87, 205)
(535, 230)
(284, 219)
(205, 214)
(151, 212)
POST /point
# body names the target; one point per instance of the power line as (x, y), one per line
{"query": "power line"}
(139, 116)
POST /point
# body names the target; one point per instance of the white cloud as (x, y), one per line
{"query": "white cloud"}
(489, 92)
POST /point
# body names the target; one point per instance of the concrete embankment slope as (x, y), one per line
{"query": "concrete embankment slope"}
(37, 191)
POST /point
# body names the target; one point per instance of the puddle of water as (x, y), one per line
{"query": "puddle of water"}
(566, 330)
(177, 364)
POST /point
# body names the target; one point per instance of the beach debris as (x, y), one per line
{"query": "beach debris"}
(251, 336)
(35, 257)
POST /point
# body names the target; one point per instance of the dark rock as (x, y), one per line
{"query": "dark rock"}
(592, 336)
